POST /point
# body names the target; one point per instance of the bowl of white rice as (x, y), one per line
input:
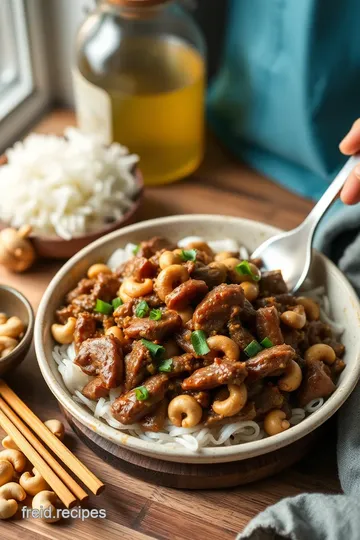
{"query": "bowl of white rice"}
(339, 305)
(71, 190)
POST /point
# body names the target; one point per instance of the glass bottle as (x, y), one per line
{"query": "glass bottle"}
(139, 80)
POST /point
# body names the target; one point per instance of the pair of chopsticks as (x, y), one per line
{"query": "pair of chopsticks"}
(14, 415)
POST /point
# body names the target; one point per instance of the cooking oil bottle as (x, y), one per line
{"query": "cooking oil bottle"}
(139, 80)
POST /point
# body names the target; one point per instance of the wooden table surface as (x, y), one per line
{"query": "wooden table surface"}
(137, 510)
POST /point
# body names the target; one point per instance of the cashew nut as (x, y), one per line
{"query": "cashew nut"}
(64, 333)
(42, 501)
(7, 345)
(3, 318)
(170, 257)
(6, 472)
(312, 309)
(184, 411)
(135, 289)
(15, 457)
(232, 404)
(116, 332)
(9, 495)
(320, 352)
(12, 328)
(235, 276)
(275, 422)
(201, 246)
(251, 290)
(33, 484)
(56, 427)
(220, 257)
(7, 442)
(292, 378)
(169, 278)
(97, 269)
(295, 318)
(121, 293)
(227, 346)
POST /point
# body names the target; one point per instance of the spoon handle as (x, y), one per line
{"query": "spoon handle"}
(330, 194)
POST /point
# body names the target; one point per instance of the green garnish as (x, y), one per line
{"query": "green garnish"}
(155, 314)
(253, 348)
(103, 307)
(198, 341)
(266, 343)
(142, 309)
(136, 249)
(156, 351)
(245, 269)
(117, 302)
(141, 393)
(188, 254)
(166, 365)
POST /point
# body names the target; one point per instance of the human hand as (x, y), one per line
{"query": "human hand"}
(350, 144)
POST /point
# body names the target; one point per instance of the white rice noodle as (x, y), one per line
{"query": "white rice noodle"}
(191, 438)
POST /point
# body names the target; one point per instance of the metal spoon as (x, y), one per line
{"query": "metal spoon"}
(292, 251)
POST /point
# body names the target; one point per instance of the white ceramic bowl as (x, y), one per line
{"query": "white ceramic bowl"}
(343, 299)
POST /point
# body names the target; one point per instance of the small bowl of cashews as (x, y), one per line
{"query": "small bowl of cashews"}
(16, 328)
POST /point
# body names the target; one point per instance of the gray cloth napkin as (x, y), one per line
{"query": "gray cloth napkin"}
(318, 516)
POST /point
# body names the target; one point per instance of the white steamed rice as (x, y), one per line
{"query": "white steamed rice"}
(199, 436)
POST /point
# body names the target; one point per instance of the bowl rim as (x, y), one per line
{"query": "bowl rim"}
(206, 455)
(30, 327)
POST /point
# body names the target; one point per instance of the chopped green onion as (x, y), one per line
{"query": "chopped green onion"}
(156, 351)
(136, 249)
(141, 393)
(245, 269)
(117, 302)
(266, 343)
(188, 254)
(103, 307)
(142, 309)
(155, 314)
(166, 365)
(253, 348)
(198, 341)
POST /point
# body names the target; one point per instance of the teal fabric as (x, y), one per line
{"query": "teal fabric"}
(289, 87)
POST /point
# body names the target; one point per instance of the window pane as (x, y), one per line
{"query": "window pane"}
(8, 59)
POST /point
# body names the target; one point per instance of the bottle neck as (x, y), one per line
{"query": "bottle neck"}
(135, 9)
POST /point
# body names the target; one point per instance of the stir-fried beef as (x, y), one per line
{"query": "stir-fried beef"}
(218, 306)
(272, 283)
(316, 383)
(149, 248)
(218, 373)
(281, 301)
(138, 365)
(128, 409)
(268, 325)
(270, 362)
(239, 333)
(248, 412)
(85, 328)
(84, 286)
(106, 287)
(102, 357)
(95, 389)
(169, 323)
(270, 398)
(185, 362)
(212, 275)
(155, 420)
(186, 294)
(138, 268)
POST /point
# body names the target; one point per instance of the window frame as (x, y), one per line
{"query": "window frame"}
(30, 96)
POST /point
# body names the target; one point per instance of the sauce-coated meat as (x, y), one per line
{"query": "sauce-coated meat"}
(84, 286)
(239, 334)
(106, 287)
(85, 328)
(102, 357)
(216, 374)
(95, 389)
(148, 248)
(268, 325)
(138, 365)
(269, 362)
(138, 268)
(272, 283)
(155, 420)
(218, 306)
(189, 292)
(316, 383)
(147, 328)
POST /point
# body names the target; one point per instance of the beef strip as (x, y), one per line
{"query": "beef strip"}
(138, 365)
(85, 328)
(268, 325)
(185, 362)
(317, 332)
(106, 287)
(316, 383)
(187, 293)
(127, 409)
(62, 314)
(294, 338)
(280, 301)
(213, 419)
(269, 398)
(211, 275)
(84, 286)
(269, 362)
(149, 248)
(216, 374)
(138, 268)
(124, 312)
(239, 334)
(248, 314)
(155, 420)
(152, 300)
(95, 389)
(146, 328)
(183, 340)
(84, 302)
(339, 348)
(218, 306)
(272, 283)
(102, 357)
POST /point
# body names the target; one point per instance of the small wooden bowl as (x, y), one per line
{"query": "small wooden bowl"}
(55, 247)
(12, 302)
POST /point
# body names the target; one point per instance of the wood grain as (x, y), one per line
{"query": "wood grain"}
(137, 510)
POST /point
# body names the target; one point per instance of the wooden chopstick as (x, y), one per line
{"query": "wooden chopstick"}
(46, 472)
(77, 490)
(63, 453)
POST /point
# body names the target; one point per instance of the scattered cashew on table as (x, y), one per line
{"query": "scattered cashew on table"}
(16, 484)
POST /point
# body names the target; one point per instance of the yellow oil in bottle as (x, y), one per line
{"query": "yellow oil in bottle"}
(156, 87)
